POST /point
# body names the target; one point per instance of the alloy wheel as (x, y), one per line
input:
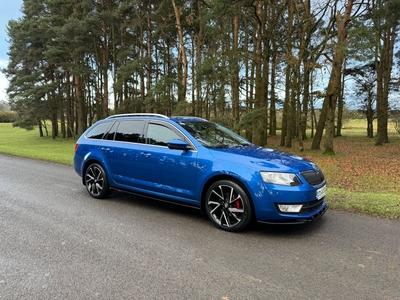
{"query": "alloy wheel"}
(96, 181)
(228, 206)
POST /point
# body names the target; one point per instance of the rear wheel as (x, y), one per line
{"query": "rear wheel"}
(96, 181)
(228, 206)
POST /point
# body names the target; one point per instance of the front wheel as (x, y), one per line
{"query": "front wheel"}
(228, 206)
(96, 181)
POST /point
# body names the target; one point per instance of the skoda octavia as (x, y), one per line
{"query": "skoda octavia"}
(194, 162)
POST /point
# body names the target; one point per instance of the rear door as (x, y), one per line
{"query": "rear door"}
(123, 151)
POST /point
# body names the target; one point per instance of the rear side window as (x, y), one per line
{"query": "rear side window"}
(98, 131)
(130, 131)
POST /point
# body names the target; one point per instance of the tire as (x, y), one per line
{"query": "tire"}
(96, 181)
(228, 206)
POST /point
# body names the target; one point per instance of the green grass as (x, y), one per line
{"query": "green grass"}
(23, 143)
(369, 190)
(377, 204)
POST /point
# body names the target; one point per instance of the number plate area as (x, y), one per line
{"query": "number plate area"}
(321, 193)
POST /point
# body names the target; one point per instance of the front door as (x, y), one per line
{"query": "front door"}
(171, 173)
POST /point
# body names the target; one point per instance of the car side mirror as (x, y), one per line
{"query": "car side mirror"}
(177, 144)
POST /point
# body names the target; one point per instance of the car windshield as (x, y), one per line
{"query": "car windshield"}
(212, 135)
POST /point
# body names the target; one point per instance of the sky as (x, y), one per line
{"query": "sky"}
(9, 10)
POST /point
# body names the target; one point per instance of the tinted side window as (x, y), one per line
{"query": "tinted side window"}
(130, 131)
(160, 135)
(98, 131)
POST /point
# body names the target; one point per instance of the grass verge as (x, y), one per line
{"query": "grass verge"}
(377, 204)
(24, 143)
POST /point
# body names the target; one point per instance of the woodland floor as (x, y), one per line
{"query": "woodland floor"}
(358, 165)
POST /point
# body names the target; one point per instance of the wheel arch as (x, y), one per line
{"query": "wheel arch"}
(219, 177)
(87, 164)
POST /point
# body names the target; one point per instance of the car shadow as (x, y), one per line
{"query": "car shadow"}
(185, 212)
(156, 204)
(290, 229)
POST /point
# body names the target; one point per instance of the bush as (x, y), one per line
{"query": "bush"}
(8, 116)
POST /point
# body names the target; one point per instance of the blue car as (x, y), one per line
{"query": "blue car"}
(194, 162)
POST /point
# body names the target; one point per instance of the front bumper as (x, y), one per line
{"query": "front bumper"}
(291, 219)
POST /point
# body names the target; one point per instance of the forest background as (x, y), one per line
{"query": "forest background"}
(256, 66)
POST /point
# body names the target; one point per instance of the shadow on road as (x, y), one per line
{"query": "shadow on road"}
(184, 212)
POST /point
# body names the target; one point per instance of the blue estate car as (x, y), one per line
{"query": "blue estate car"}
(191, 161)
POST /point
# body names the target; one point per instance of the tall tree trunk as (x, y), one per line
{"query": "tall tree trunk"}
(148, 106)
(234, 68)
(334, 85)
(384, 69)
(265, 73)
(320, 126)
(370, 116)
(80, 104)
(199, 44)
(306, 60)
(306, 100)
(272, 106)
(104, 52)
(303, 81)
(285, 111)
(182, 56)
(339, 123)
(149, 68)
(70, 105)
(290, 74)
(117, 92)
(271, 19)
(258, 124)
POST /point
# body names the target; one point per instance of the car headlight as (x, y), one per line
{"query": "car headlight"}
(288, 179)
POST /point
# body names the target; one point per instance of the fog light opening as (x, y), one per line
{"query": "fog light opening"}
(290, 208)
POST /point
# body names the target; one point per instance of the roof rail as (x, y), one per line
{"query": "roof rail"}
(138, 115)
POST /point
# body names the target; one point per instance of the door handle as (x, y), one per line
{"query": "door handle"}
(145, 154)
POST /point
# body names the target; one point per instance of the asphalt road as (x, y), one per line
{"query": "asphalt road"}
(56, 242)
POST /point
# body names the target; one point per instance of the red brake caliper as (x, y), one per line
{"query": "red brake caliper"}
(237, 204)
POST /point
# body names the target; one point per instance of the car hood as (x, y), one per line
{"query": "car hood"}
(264, 158)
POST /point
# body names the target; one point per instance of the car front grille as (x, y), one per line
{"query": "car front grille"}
(313, 177)
(311, 206)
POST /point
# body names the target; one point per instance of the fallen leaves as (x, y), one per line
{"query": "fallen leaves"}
(358, 164)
